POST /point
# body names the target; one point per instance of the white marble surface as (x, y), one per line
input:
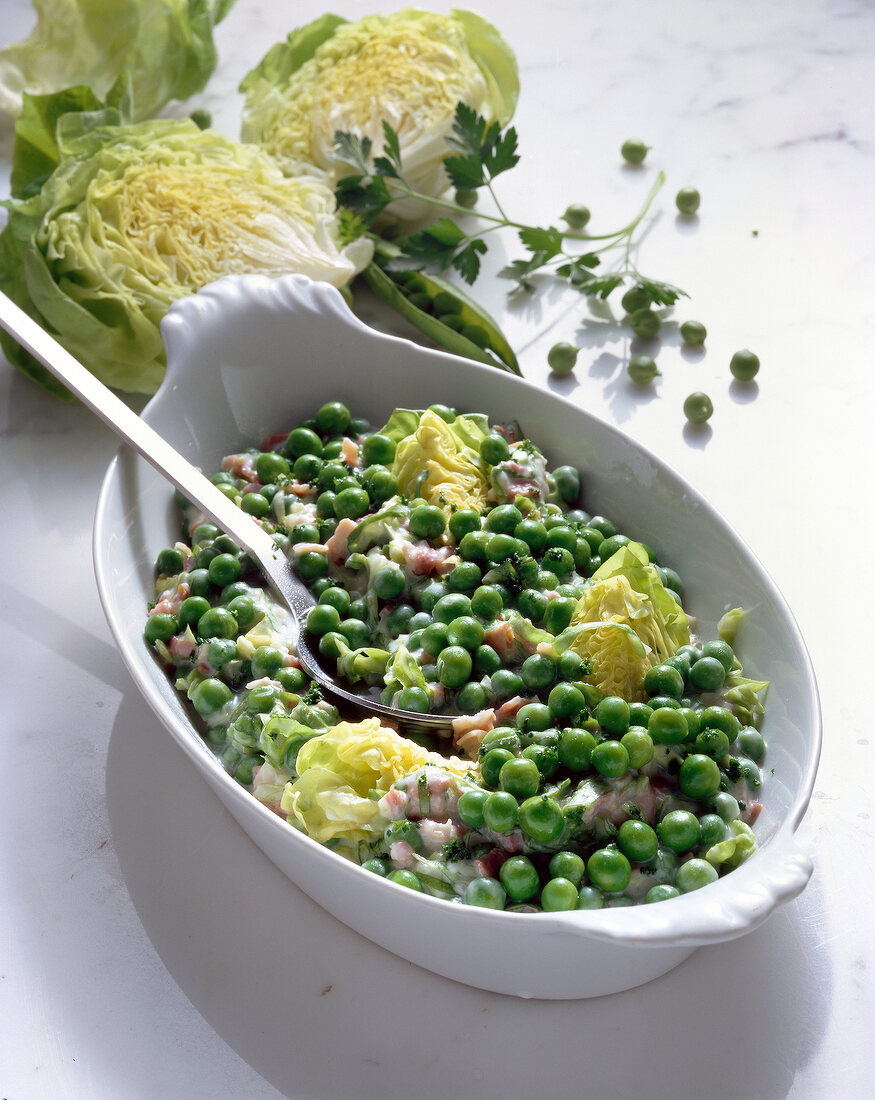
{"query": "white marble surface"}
(147, 949)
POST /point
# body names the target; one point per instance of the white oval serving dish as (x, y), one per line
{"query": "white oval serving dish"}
(249, 356)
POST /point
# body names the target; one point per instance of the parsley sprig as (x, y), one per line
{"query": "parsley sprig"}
(482, 151)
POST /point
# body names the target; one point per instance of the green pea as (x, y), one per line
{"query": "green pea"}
(311, 565)
(465, 577)
(612, 714)
(752, 743)
(694, 874)
(642, 369)
(698, 407)
(261, 699)
(302, 441)
(559, 894)
(292, 679)
(576, 748)
(576, 215)
(414, 698)
(504, 519)
(336, 597)
(645, 323)
(445, 412)
(486, 661)
(463, 521)
(519, 777)
(322, 618)
(722, 651)
(679, 830)
(454, 666)
(538, 671)
(664, 680)
(465, 631)
(609, 870)
(519, 877)
(245, 612)
(451, 606)
(486, 601)
(534, 717)
(494, 449)
(501, 811)
(610, 759)
(693, 333)
(218, 622)
(406, 878)
(224, 569)
(532, 532)
(191, 609)
(711, 829)
(699, 776)
(505, 683)
(435, 638)
(719, 718)
(661, 892)
(541, 818)
(687, 200)
(470, 807)
(487, 893)
(266, 661)
(169, 562)
(473, 544)
(204, 532)
(568, 865)
(562, 357)
(389, 581)
(633, 150)
(351, 503)
(566, 701)
(590, 898)
(667, 726)
(744, 365)
(637, 840)
(635, 298)
(160, 627)
(639, 745)
(707, 674)
(427, 522)
(209, 696)
(376, 866)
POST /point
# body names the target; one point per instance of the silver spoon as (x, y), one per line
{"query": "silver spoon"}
(200, 491)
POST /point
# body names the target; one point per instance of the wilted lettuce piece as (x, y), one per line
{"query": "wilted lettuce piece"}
(409, 68)
(336, 770)
(729, 623)
(452, 468)
(746, 696)
(165, 45)
(735, 848)
(402, 672)
(624, 623)
(135, 217)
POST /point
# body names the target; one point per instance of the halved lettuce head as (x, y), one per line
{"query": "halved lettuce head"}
(625, 622)
(165, 45)
(410, 68)
(135, 217)
(439, 462)
(336, 771)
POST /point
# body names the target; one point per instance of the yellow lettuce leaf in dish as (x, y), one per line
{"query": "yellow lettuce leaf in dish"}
(336, 770)
(624, 623)
(436, 464)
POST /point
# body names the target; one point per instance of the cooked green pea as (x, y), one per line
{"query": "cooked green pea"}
(494, 449)
(160, 627)
(707, 674)
(519, 877)
(427, 522)
(209, 696)
(610, 759)
(454, 666)
(302, 441)
(558, 894)
(169, 562)
(609, 869)
(470, 807)
(463, 521)
(501, 811)
(485, 892)
(694, 874)
(389, 581)
(637, 840)
(568, 865)
(576, 748)
(541, 818)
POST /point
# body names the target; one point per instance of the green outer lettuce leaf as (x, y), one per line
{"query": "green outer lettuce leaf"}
(285, 58)
(166, 46)
(631, 561)
(495, 60)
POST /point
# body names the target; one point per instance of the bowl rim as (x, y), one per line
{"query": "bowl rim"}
(734, 905)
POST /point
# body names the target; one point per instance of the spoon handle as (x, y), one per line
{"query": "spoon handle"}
(196, 488)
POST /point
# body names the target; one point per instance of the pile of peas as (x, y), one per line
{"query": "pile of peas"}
(515, 557)
(536, 771)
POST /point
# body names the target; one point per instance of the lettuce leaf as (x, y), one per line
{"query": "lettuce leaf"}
(165, 45)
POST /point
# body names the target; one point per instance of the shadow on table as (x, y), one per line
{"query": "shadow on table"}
(321, 1012)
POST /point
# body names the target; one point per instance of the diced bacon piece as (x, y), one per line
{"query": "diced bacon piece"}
(510, 706)
(350, 451)
(168, 603)
(275, 442)
(182, 647)
(309, 548)
(512, 842)
(423, 560)
(393, 804)
(338, 544)
(490, 864)
(500, 637)
(400, 852)
(751, 813)
(252, 487)
(299, 489)
(435, 834)
(241, 466)
(470, 729)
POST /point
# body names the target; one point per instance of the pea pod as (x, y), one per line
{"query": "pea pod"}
(388, 285)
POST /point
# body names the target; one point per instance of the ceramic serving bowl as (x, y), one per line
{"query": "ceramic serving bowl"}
(249, 356)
